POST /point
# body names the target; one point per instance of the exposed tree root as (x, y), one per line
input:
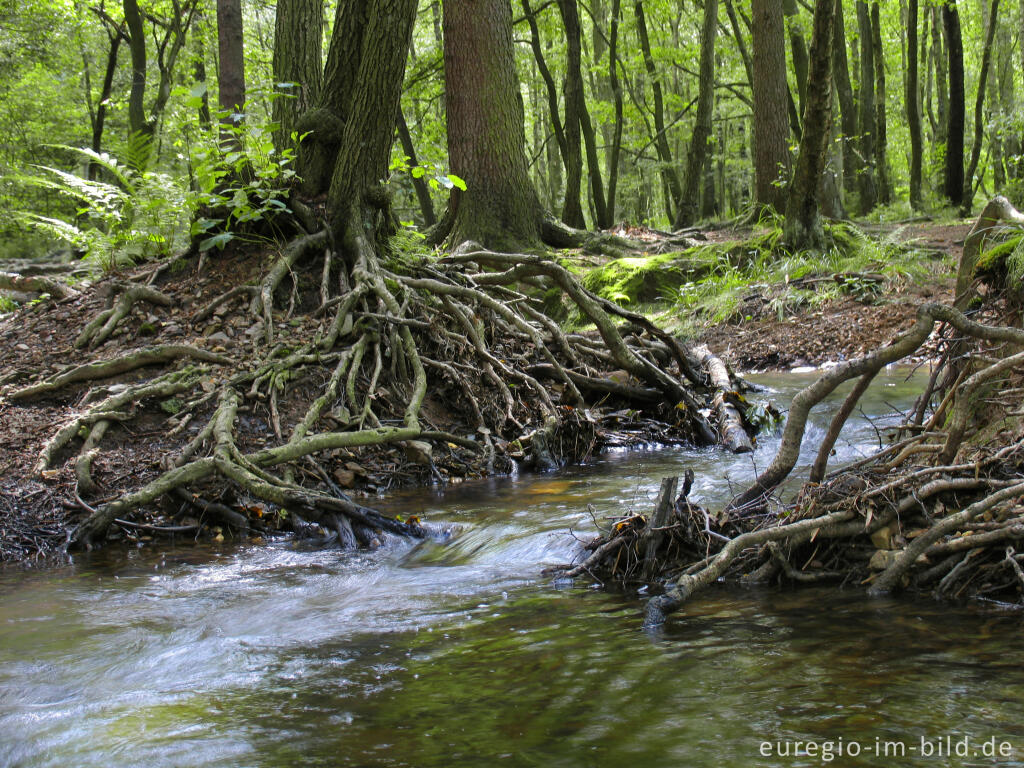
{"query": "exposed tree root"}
(36, 284)
(939, 515)
(452, 364)
(103, 325)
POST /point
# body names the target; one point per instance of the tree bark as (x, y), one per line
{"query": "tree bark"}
(106, 89)
(939, 66)
(298, 61)
(358, 206)
(881, 139)
(615, 149)
(798, 50)
(700, 141)
(847, 108)
(803, 222)
(499, 208)
(137, 124)
(771, 129)
(572, 90)
(979, 112)
(913, 105)
(867, 185)
(231, 72)
(953, 176)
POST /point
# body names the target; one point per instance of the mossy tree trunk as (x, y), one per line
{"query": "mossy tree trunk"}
(358, 206)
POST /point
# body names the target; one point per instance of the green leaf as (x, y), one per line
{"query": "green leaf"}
(457, 181)
(218, 241)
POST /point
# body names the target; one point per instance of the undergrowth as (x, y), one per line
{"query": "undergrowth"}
(715, 283)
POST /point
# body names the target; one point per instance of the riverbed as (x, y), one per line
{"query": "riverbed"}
(458, 653)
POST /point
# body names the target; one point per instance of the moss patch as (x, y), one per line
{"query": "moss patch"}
(639, 279)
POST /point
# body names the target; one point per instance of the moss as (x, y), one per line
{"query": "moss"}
(648, 278)
(994, 257)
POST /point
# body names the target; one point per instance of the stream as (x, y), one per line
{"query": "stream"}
(459, 653)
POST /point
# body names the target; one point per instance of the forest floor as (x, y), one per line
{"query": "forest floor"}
(38, 341)
(840, 328)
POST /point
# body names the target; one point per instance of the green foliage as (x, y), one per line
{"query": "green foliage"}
(435, 176)
(134, 216)
(242, 183)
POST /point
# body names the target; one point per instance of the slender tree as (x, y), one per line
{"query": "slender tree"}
(670, 179)
(913, 106)
(852, 160)
(231, 70)
(771, 130)
(979, 112)
(572, 211)
(953, 177)
(700, 142)
(881, 123)
(803, 227)
(867, 183)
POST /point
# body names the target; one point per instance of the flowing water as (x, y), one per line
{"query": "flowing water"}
(460, 654)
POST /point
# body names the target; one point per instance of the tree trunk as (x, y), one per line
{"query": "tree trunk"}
(771, 129)
(668, 170)
(803, 222)
(358, 206)
(798, 50)
(940, 69)
(614, 150)
(700, 141)
(913, 106)
(139, 130)
(297, 62)
(867, 185)
(979, 112)
(104, 99)
(231, 72)
(199, 69)
(881, 159)
(549, 82)
(572, 90)
(499, 208)
(847, 107)
(954, 169)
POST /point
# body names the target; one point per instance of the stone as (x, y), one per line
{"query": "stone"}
(882, 559)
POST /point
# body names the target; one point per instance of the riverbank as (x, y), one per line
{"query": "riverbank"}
(37, 510)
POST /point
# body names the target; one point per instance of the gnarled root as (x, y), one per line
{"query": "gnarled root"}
(934, 511)
(451, 366)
